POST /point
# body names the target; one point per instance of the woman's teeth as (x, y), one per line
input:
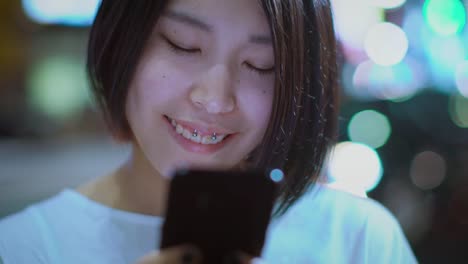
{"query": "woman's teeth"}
(196, 137)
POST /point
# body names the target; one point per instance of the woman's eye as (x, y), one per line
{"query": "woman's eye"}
(259, 70)
(178, 49)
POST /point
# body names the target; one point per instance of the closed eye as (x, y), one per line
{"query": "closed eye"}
(179, 48)
(259, 70)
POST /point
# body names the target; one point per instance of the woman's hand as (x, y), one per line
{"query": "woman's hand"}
(174, 255)
(189, 254)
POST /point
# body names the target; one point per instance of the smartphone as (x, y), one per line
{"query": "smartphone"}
(220, 212)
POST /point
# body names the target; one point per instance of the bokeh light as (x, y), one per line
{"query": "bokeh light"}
(352, 28)
(354, 167)
(445, 17)
(458, 109)
(57, 87)
(427, 170)
(461, 78)
(67, 12)
(386, 44)
(276, 175)
(369, 127)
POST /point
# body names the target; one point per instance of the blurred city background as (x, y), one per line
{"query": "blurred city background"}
(403, 123)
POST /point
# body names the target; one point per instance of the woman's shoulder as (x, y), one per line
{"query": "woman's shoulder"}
(27, 219)
(32, 234)
(351, 212)
(335, 203)
(24, 234)
(19, 222)
(339, 219)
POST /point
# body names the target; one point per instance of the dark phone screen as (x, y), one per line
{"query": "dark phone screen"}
(220, 212)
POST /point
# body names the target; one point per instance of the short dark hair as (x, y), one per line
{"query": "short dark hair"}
(303, 123)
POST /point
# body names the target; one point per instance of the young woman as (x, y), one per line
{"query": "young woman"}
(217, 84)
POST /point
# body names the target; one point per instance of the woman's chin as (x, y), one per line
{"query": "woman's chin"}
(186, 165)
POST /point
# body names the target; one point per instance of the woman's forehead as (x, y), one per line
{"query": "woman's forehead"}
(218, 12)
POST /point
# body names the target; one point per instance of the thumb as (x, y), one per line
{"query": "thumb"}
(242, 258)
(178, 254)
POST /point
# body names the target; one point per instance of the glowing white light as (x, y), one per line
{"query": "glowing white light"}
(354, 167)
(276, 175)
(353, 19)
(427, 170)
(461, 78)
(68, 12)
(386, 44)
(387, 4)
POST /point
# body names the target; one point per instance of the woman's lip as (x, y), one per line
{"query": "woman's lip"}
(194, 147)
(204, 130)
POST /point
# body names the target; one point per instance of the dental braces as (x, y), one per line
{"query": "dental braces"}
(195, 134)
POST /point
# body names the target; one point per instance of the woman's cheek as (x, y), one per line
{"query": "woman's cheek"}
(162, 78)
(258, 101)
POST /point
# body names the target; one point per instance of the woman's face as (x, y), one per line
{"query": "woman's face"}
(203, 91)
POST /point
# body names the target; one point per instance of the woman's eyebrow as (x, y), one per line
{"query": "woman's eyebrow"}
(188, 20)
(191, 20)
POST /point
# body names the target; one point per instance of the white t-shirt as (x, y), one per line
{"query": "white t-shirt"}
(324, 226)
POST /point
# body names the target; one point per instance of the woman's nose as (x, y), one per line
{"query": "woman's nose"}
(214, 92)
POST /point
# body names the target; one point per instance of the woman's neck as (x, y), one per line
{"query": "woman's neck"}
(134, 187)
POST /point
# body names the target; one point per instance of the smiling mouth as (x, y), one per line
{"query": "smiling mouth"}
(195, 135)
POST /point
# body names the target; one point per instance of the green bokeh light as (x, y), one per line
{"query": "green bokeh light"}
(369, 127)
(445, 17)
(57, 87)
(459, 110)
